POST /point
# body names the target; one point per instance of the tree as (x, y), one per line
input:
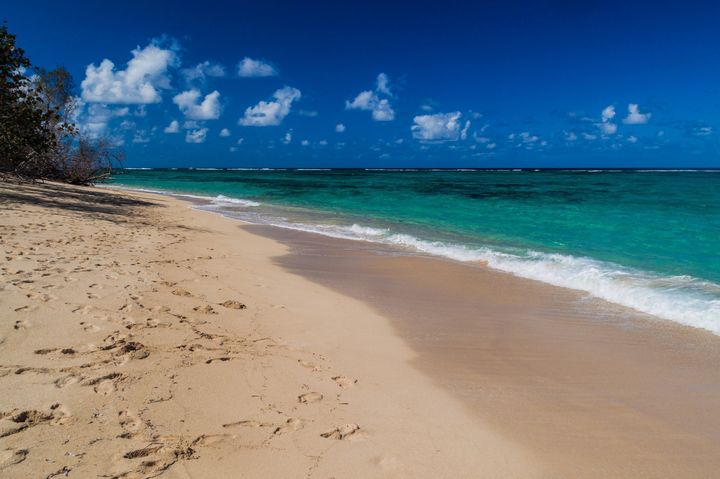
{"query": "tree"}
(23, 133)
(38, 137)
(88, 161)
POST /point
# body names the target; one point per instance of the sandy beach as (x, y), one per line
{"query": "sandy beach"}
(142, 338)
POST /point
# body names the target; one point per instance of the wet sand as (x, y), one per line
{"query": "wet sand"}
(592, 389)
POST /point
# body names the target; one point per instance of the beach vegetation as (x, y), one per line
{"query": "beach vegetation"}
(38, 135)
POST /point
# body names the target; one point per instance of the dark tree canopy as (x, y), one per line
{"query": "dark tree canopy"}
(37, 136)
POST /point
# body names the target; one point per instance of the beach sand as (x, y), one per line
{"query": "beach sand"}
(142, 338)
(125, 351)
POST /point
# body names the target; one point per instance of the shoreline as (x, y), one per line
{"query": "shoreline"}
(459, 368)
(686, 303)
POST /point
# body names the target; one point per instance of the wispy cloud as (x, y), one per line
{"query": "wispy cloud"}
(94, 118)
(249, 68)
(383, 84)
(202, 71)
(196, 136)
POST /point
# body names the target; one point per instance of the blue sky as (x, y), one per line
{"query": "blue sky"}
(436, 84)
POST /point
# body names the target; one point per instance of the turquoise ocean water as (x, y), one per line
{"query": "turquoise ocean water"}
(647, 239)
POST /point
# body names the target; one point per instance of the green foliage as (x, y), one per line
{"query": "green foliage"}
(23, 136)
(38, 138)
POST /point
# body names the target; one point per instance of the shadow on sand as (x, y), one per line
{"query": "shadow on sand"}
(104, 205)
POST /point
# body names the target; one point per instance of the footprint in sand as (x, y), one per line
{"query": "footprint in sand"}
(131, 350)
(83, 309)
(346, 431)
(105, 384)
(291, 425)
(66, 381)
(232, 304)
(165, 452)
(13, 422)
(10, 457)
(207, 309)
(344, 381)
(89, 327)
(308, 364)
(310, 397)
(210, 439)
(181, 292)
(130, 423)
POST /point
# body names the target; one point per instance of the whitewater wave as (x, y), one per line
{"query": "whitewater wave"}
(219, 200)
(225, 200)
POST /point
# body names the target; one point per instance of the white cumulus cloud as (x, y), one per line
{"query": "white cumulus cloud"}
(340, 128)
(196, 136)
(141, 82)
(248, 68)
(608, 128)
(606, 125)
(370, 100)
(190, 105)
(439, 127)
(224, 132)
(173, 127)
(271, 113)
(608, 113)
(634, 116)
